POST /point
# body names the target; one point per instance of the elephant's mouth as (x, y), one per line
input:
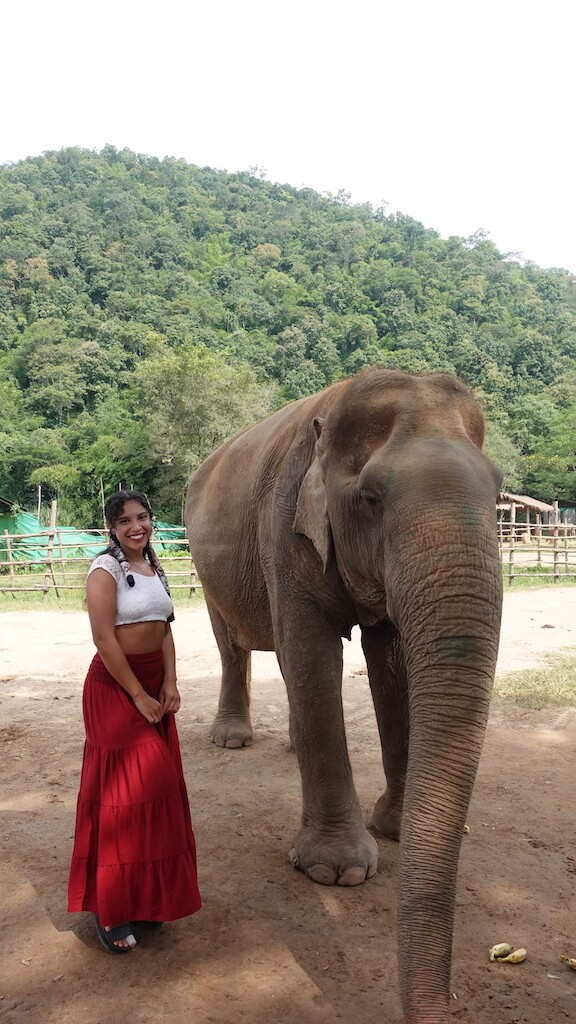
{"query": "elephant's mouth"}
(369, 598)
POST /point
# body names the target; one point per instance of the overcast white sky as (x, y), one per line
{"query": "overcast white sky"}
(459, 113)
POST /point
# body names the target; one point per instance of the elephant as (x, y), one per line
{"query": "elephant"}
(369, 504)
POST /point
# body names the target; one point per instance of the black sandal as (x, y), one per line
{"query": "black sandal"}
(107, 938)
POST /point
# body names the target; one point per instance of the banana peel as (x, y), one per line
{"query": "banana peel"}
(569, 960)
(500, 949)
(504, 953)
(516, 957)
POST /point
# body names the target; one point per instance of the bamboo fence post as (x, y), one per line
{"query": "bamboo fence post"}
(564, 521)
(555, 533)
(511, 548)
(192, 589)
(10, 563)
(539, 538)
(62, 557)
(49, 561)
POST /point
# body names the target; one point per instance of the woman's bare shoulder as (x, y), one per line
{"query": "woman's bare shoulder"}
(109, 564)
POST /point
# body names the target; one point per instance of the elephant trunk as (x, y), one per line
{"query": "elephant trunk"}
(445, 597)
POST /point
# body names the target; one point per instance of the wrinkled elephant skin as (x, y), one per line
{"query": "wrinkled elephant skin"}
(370, 503)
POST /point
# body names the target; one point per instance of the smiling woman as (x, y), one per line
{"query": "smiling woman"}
(134, 853)
(133, 530)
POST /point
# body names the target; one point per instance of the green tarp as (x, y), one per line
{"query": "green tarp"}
(164, 534)
(29, 547)
(69, 542)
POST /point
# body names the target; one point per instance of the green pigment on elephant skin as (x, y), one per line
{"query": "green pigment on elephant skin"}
(456, 648)
(470, 517)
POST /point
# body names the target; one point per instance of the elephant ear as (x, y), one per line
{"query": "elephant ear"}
(311, 517)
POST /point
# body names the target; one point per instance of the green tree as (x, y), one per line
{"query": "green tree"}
(193, 400)
(550, 468)
(113, 262)
(501, 449)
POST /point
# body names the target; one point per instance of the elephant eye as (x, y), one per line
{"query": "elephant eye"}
(369, 500)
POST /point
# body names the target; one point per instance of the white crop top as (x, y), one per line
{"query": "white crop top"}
(146, 601)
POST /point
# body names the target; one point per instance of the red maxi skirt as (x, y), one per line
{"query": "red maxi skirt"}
(134, 856)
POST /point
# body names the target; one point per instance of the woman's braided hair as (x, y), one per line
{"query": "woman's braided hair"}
(112, 511)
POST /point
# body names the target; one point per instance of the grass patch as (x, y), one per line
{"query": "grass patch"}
(537, 576)
(73, 600)
(552, 686)
(69, 601)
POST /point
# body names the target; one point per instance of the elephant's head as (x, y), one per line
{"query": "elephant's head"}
(399, 483)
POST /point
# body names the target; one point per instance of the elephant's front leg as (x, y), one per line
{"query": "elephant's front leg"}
(389, 685)
(333, 846)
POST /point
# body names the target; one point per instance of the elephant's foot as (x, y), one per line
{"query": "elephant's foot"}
(387, 816)
(347, 857)
(231, 731)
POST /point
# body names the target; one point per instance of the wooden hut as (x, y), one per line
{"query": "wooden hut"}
(520, 517)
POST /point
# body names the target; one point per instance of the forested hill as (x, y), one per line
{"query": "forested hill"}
(149, 308)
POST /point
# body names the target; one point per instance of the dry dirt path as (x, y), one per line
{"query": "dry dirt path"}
(268, 945)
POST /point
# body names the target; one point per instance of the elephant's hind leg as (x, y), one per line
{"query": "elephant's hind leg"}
(389, 686)
(232, 726)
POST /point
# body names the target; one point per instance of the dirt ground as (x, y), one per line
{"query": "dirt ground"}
(269, 945)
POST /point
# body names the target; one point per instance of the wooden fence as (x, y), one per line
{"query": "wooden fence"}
(64, 567)
(539, 551)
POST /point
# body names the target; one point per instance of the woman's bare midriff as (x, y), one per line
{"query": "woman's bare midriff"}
(141, 637)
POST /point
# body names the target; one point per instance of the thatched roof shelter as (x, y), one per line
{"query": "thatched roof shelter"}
(506, 501)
